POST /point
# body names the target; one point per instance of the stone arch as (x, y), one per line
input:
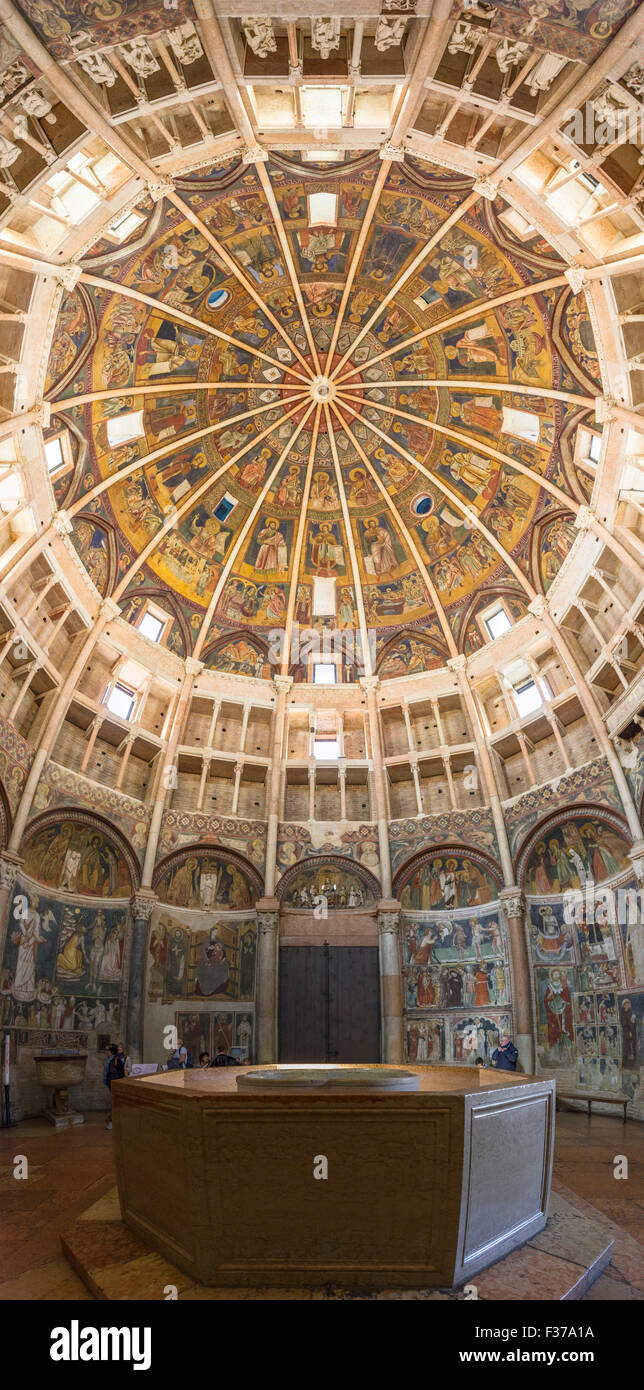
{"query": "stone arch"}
(583, 812)
(49, 837)
(328, 863)
(5, 817)
(484, 863)
(401, 646)
(177, 879)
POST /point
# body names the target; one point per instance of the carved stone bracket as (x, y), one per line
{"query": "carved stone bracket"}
(254, 154)
(605, 407)
(69, 275)
(394, 152)
(486, 188)
(110, 609)
(538, 607)
(193, 667)
(62, 523)
(158, 190)
(577, 278)
(457, 663)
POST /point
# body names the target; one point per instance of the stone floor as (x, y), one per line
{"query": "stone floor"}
(70, 1171)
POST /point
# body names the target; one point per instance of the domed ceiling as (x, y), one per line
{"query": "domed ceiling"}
(293, 389)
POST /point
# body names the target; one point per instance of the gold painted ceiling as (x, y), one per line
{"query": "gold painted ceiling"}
(388, 399)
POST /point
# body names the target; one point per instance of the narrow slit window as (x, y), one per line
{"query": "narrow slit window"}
(497, 623)
(324, 673)
(123, 428)
(527, 697)
(121, 700)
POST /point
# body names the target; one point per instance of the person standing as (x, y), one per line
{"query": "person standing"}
(114, 1071)
(505, 1056)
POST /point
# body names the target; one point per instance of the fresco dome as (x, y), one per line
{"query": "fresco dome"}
(306, 397)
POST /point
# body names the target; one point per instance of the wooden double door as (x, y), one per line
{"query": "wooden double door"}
(329, 1004)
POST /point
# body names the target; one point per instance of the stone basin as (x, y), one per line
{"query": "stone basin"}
(329, 1078)
(60, 1070)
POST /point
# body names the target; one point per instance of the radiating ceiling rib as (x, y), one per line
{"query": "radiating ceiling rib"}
(471, 515)
(191, 500)
(288, 257)
(430, 586)
(167, 311)
(182, 440)
(367, 656)
(405, 275)
(156, 388)
(234, 268)
(357, 254)
(245, 529)
(302, 524)
(624, 266)
(598, 526)
(457, 383)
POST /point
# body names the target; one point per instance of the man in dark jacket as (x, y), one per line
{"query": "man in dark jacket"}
(504, 1057)
(114, 1071)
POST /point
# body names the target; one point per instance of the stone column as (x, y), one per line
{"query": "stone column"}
(193, 669)
(239, 768)
(282, 685)
(513, 905)
(370, 685)
(342, 782)
(268, 920)
(540, 610)
(413, 763)
(141, 907)
(9, 867)
(512, 902)
(391, 985)
(109, 611)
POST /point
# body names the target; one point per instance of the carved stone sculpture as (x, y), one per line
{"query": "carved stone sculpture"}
(259, 35)
(325, 35)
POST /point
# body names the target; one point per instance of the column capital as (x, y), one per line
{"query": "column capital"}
(42, 414)
(584, 518)
(295, 73)
(62, 523)
(254, 154)
(283, 683)
(538, 606)
(193, 667)
(577, 278)
(10, 865)
(370, 683)
(109, 609)
(513, 903)
(457, 663)
(239, 767)
(388, 910)
(268, 916)
(486, 188)
(636, 856)
(395, 153)
(142, 903)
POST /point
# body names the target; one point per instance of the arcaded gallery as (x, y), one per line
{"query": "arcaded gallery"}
(322, 651)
